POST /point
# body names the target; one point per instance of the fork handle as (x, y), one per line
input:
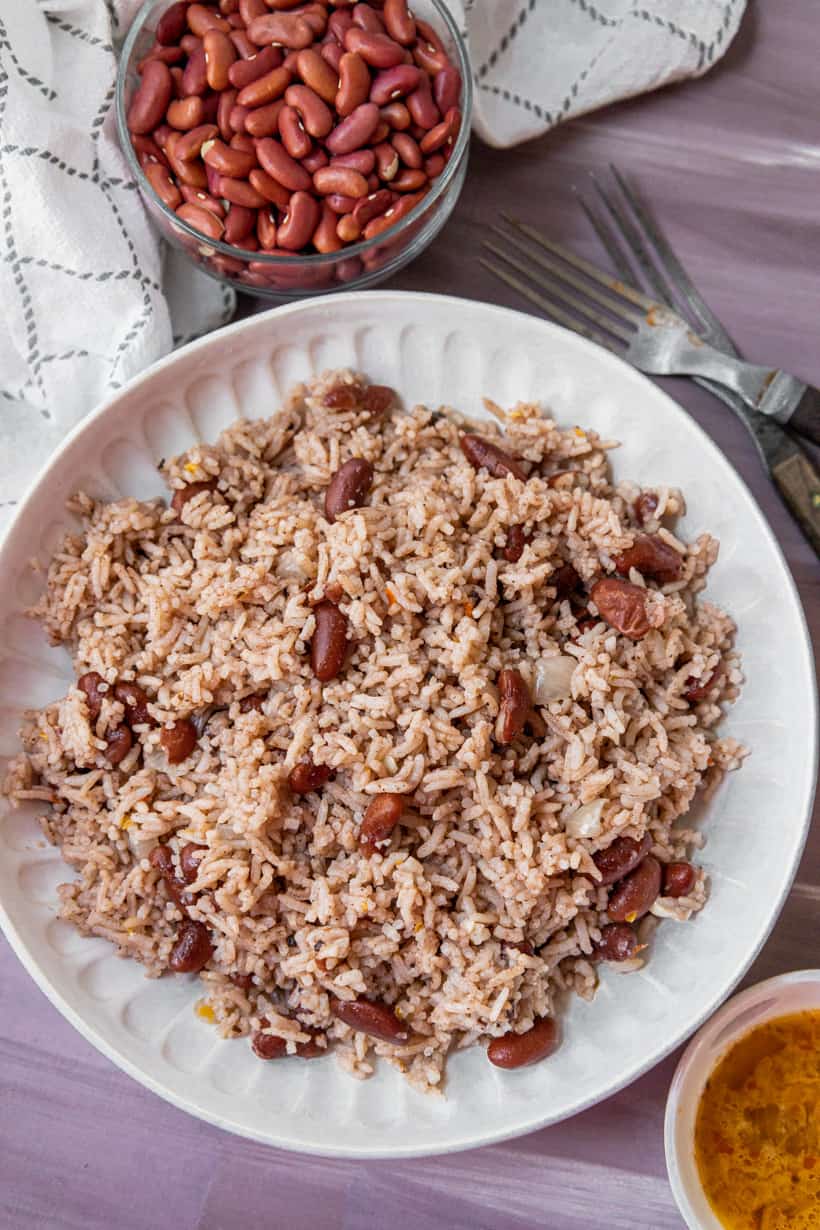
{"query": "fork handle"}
(805, 418)
(798, 482)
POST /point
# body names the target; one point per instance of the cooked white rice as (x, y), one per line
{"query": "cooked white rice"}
(205, 608)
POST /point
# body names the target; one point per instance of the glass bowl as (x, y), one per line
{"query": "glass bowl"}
(357, 265)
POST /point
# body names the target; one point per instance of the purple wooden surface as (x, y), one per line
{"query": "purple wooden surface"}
(732, 164)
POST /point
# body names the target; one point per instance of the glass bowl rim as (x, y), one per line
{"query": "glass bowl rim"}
(313, 259)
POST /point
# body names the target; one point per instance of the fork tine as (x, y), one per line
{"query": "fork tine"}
(578, 262)
(609, 242)
(563, 295)
(611, 301)
(547, 306)
(634, 242)
(675, 270)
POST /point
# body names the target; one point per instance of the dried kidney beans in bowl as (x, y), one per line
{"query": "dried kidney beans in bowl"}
(296, 148)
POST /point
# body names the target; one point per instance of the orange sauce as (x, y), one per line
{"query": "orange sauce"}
(757, 1134)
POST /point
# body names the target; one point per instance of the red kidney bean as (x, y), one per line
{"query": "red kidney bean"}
(421, 106)
(634, 896)
(147, 150)
(172, 24)
(265, 89)
(266, 1046)
(225, 103)
(381, 132)
(377, 50)
(370, 1016)
(355, 130)
(118, 743)
(90, 685)
(678, 879)
(566, 581)
(325, 239)
(342, 180)
(162, 859)
(371, 206)
(408, 150)
(621, 857)
(354, 84)
(249, 10)
(316, 17)
(434, 165)
(332, 53)
(201, 220)
(178, 740)
(189, 860)
(201, 19)
(279, 5)
(387, 161)
(645, 506)
(151, 98)
(381, 816)
(189, 43)
(399, 22)
(394, 83)
(239, 223)
(315, 159)
(190, 145)
(318, 75)
(266, 228)
(284, 29)
(192, 950)
(339, 23)
(622, 605)
(264, 121)
(185, 113)
(135, 702)
(447, 88)
(269, 188)
(513, 548)
(367, 18)
(194, 75)
(361, 160)
(348, 229)
(341, 204)
(396, 116)
(244, 49)
(348, 488)
(515, 704)
(243, 141)
(408, 181)
(226, 160)
(518, 1050)
(485, 454)
(315, 114)
(433, 60)
(278, 163)
(168, 55)
(298, 222)
(243, 73)
(329, 644)
(698, 689)
(161, 180)
(195, 196)
(442, 134)
(241, 192)
(292, 134)
(349, 269)
(652, 557)
(398, 210)
(220, 54)
(307, 776)
(618, 942)
(237, 117)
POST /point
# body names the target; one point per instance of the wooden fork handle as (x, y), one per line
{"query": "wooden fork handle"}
(799, 484)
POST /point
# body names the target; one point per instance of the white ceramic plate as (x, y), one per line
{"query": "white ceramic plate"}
(432, 349)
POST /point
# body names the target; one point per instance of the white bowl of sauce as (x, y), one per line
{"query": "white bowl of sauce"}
(742, 1128)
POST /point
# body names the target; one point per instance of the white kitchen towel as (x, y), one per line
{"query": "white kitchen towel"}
(88, 294)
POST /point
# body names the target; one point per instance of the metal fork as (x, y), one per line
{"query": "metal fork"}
(652, 336)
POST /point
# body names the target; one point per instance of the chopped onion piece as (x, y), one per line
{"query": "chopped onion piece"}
(586, 820)
(553, 678)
